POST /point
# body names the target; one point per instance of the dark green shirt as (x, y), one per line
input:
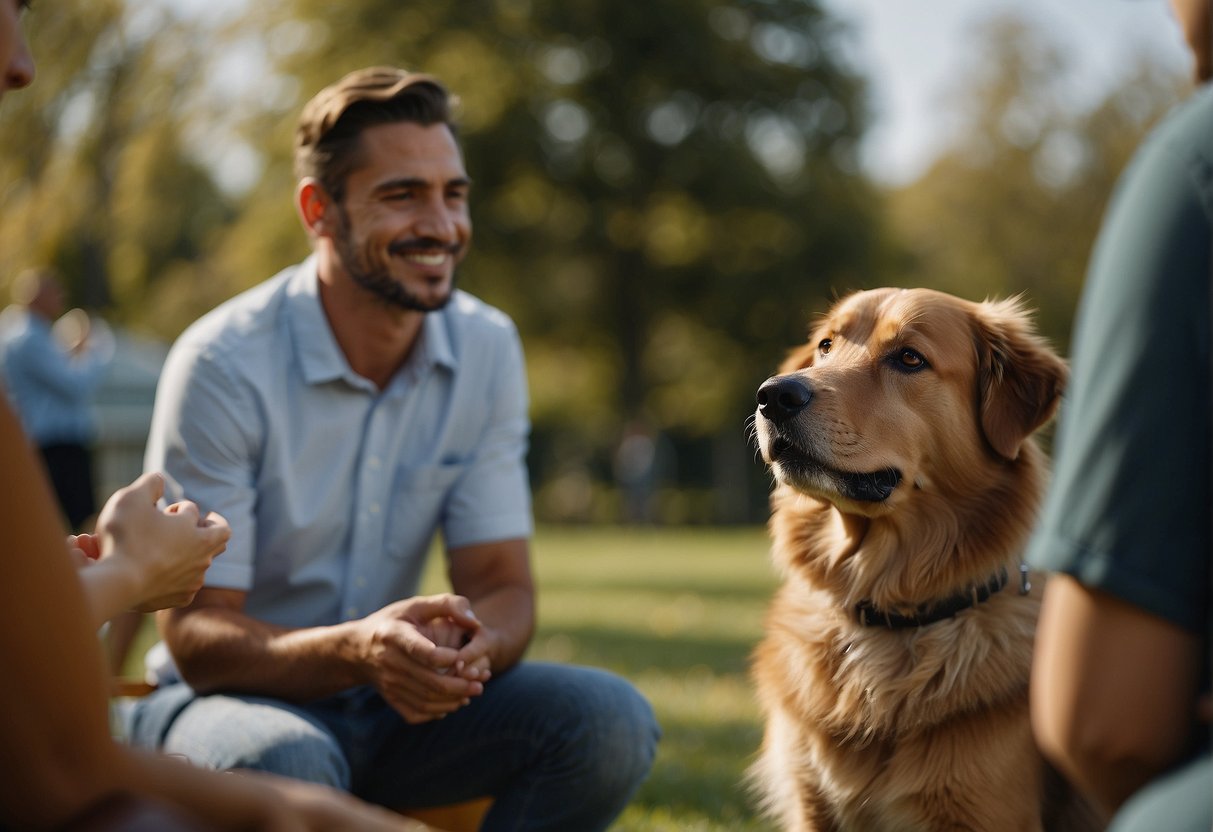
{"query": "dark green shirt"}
(1129, 507)
(1129, 510)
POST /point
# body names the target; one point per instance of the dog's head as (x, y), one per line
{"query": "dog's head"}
(903, 390)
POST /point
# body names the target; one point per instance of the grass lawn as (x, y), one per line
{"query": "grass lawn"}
(676, 611)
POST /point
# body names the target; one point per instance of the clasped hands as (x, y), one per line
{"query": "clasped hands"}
(428, 656)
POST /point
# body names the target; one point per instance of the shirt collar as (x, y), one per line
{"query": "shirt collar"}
(319, 354)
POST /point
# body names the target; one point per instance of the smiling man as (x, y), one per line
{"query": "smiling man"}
(339, 415)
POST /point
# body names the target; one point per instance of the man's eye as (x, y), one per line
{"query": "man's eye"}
(825, 346)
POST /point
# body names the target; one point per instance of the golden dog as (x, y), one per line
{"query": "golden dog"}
(894, 669)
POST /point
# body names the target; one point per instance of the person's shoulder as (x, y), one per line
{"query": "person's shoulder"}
(469, 314)
(1186, 129)
(239, 323)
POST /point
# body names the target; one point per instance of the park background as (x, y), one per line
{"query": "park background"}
(666, 193)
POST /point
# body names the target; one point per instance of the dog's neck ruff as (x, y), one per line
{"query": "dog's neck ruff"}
(870, 615)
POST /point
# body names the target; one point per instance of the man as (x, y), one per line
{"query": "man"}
(51, 386)
(1121, 671)
(338, 415)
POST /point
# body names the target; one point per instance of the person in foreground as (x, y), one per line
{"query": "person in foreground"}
(339, 414)
(1121, 669)
(61, 768)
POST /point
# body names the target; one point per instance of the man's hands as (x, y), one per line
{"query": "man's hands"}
(427, 656)
(155, 559)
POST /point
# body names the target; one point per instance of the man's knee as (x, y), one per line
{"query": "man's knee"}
(613, 729)
(223, 732)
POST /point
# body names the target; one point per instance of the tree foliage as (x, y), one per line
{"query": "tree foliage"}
(96, 176)
(665, 193)
(1015, 203)
(662, 193)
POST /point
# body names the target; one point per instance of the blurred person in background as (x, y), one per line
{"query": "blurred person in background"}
(1121, 674)
(53, 364)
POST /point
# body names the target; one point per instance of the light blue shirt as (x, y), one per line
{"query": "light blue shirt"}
(333, 488)
(50, 389)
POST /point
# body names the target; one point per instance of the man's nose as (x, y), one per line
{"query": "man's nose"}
(438, 221)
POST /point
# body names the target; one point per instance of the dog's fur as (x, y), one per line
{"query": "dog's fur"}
(906, 473)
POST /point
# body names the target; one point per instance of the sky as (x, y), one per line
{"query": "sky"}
(911, 49)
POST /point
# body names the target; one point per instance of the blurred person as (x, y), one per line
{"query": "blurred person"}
(339, 415)
(1121, 673)
(61, 768)
(51, 381)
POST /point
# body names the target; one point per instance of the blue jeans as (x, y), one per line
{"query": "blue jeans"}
(557, 747)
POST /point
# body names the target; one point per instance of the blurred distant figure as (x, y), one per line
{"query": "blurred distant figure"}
(53, 363)
(636, 470)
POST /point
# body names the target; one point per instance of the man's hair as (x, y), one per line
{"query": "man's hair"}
(327, 146)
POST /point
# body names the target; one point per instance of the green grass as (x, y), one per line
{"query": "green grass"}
(676, 611)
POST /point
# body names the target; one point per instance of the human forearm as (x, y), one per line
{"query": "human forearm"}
(223, 649)
(1113, 690)
(510, 614)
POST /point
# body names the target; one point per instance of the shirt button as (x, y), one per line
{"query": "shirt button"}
(373, 462)
(373, 508)
(351, 612)
(360, 582)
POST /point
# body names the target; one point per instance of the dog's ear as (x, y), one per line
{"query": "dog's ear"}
(1019, 378)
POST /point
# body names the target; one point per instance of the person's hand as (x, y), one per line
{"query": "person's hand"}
(85, 549)
(412, 656)
(446, 632)
(166, 553)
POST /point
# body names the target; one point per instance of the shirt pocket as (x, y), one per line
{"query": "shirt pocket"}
(418, 502)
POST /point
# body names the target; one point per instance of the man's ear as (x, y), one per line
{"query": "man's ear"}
(315, 207)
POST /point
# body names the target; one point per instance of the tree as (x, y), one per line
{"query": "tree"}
(664, 191)
(98, 181)
(1015, 203)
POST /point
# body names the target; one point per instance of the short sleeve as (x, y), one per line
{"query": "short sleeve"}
(492, 498)
(202, 438)
(1128, 508)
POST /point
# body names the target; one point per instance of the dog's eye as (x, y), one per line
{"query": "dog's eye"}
(908, 359)
(825, 345)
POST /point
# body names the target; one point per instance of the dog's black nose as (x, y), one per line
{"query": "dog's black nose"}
(782, 397)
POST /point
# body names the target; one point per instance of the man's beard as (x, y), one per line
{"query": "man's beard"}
(379, 281)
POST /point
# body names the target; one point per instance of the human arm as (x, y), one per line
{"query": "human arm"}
(147, 559)
(1114, 690)
(496, 579)
(58, 755)
(217, 646)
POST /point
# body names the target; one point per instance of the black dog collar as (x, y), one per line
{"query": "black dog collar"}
(870, 616)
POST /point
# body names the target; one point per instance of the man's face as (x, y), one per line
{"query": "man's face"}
(15, 58)
(403, 224)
